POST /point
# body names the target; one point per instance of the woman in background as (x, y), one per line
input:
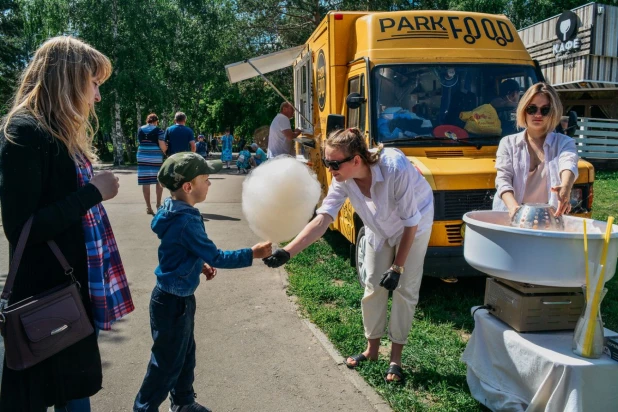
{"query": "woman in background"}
(227, 142)
(149, 159)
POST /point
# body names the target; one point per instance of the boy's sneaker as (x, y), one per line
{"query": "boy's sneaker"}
(193, 407)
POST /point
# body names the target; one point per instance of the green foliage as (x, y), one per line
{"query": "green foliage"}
(12, 58)
(169, 55)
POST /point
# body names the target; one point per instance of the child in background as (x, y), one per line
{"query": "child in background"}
(200, 146)
(243, 162)
(185, 252)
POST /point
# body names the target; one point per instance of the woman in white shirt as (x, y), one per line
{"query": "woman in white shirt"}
(395, 203)
(536, 165)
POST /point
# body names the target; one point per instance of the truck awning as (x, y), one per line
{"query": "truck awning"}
(265, 64)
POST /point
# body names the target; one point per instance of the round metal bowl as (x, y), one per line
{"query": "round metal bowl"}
(538, 216)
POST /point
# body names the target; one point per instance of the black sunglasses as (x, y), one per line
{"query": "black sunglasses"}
(532, 110)
(336, 164)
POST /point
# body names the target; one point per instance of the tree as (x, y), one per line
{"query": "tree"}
(12, 57)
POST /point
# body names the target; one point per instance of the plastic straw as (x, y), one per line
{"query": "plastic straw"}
(594, 310)
(586, 261)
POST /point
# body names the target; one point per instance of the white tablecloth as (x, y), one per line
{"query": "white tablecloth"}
(511, 371)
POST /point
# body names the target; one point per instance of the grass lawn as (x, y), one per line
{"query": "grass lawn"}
(329, 295)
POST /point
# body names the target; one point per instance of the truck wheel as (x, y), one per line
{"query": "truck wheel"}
(361, 250)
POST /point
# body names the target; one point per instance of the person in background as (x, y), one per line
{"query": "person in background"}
(149, 159)
(214, 144)
(244, 160)
(179, 138)
(395, 203)
(563, 126)
(505, 105)
(281, 135)
(46, 172)
(536, 165)
(260, 156)
(185, 253)
(241, 143)
(227, 143)
(200, 147)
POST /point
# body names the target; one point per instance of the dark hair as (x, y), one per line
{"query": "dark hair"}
(227, 129)
(152, 118)
(180, 117)
(351, 142)
(508, 86)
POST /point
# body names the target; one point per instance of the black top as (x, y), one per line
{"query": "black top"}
(38, 177)
(149, 134)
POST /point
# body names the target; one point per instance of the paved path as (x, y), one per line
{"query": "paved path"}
(254, 353)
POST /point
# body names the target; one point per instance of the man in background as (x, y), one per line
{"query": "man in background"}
(178, 138)
(281, 135)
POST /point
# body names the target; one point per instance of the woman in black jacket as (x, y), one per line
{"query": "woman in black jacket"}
(45, 172)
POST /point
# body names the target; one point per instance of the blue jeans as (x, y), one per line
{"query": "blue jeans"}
(172, 360)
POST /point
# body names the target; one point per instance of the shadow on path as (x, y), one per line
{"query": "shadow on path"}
(208, 216)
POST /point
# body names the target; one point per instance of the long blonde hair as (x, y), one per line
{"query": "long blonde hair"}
(351, 142)
(53, 91)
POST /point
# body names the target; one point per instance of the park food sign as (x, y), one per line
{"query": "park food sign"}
(468, 28)
(566, 32)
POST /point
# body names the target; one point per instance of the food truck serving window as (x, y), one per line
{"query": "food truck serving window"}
(413, 101)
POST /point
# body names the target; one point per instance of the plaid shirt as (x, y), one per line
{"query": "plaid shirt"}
(107, 282)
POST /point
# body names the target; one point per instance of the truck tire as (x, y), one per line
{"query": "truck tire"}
(361, 249)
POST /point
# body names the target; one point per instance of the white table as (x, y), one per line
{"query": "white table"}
(511, 371)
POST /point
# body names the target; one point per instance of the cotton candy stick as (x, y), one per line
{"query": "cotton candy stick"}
(586, 260)
(594, 309)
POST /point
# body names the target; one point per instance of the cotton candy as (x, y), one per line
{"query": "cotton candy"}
(279, 198)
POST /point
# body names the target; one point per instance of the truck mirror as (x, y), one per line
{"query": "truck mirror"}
(334, 122)
(354, 100)
(572, 123)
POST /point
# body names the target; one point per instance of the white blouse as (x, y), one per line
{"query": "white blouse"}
(513, 164)
(401, 195)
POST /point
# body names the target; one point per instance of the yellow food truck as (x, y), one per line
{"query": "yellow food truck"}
(430, 83)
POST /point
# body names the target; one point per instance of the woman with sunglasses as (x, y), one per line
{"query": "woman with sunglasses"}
(395, 203)
(536, 165)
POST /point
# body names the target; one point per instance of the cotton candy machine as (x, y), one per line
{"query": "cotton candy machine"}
(533, 256)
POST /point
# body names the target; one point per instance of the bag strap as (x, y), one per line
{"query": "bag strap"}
(19, 251)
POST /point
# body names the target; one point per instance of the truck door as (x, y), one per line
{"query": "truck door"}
(356, 82)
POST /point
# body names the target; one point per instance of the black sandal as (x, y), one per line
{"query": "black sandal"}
(396, 370)
(357, 358)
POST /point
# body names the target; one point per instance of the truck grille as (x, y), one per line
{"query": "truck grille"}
(453, 234)
(452, 205)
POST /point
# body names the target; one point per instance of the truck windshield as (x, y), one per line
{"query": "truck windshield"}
(434, 105)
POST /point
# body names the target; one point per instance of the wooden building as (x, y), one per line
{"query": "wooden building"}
(578, 54)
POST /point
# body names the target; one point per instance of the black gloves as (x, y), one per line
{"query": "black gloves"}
(278, 258)
(390, 279)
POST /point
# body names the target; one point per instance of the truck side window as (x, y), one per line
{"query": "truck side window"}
(302, 92)
(356, 117)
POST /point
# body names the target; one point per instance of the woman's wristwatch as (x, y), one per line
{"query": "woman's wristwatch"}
(397, 268)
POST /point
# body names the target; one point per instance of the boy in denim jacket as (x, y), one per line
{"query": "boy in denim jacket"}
(185, 253)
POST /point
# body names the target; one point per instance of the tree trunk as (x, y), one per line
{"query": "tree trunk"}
(117, 136)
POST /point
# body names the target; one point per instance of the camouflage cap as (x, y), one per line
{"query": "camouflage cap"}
(184, 167)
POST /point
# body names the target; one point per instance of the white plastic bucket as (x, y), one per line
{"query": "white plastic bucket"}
(538, 257)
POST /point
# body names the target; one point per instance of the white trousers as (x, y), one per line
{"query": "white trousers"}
(405, 297)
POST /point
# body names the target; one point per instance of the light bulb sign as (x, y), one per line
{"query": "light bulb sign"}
(566, 32)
